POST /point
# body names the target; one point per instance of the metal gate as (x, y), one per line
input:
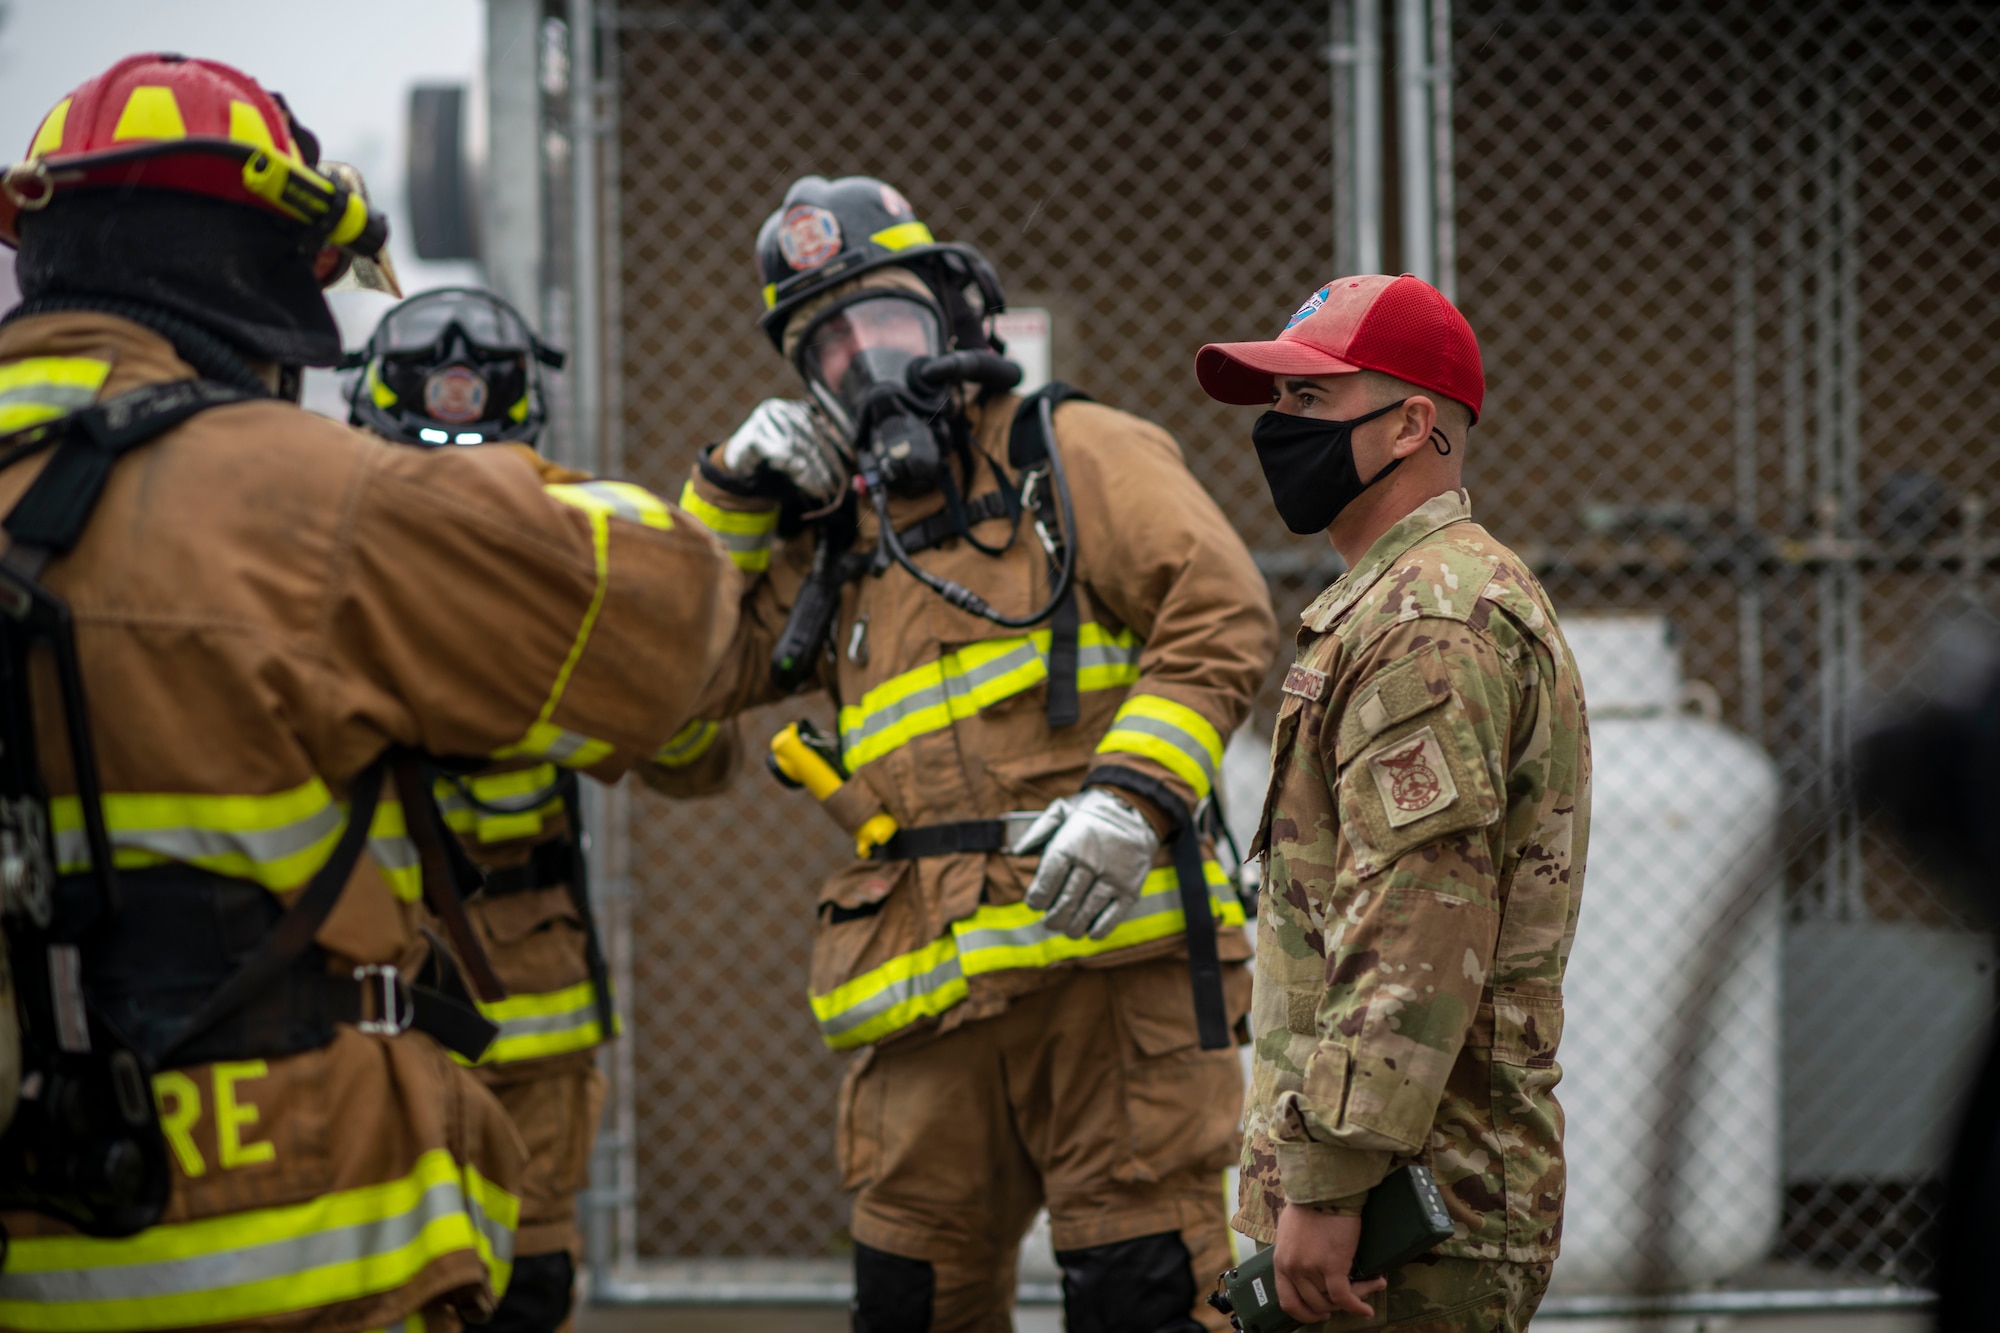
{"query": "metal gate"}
(1733, 271)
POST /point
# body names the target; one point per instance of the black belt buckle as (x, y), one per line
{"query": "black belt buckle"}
(394, 1009)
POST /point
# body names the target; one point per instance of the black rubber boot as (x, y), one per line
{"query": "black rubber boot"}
(1144, 1285)
(538, 1295)
(892, 1294)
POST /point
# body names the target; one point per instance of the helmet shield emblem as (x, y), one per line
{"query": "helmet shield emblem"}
(808, 236)
(455, 394)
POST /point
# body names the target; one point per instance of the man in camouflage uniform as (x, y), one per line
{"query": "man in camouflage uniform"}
(1424, 832)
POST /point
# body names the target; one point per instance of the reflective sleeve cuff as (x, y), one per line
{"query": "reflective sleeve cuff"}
(745, 533)
(1172, 735)
(1330, 1176)
(688, 744)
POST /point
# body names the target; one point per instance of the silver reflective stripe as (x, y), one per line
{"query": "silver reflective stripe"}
(566, 745)
(1106, 654)
(550, 1025)
(895, 993)
(453, 800)
(974, 941)
(62, 397)
(393, 853)
(958, 684)
(190, 844)
(498, 1234)
(620, 501)
(1172, 735)
(743, 543)
(254, 1263)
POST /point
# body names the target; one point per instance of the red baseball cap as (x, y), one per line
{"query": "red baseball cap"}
(1398, 326)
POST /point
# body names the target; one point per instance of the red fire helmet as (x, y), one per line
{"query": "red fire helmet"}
(170, 122)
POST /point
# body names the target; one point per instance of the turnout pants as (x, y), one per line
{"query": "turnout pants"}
(1090, 1096)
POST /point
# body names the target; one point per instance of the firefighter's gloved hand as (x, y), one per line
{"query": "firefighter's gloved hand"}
(787, 436)
(1096, 852)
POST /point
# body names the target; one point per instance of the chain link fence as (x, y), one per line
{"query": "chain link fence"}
(1733, 270)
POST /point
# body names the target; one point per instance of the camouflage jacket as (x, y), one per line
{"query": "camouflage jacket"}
(1424, 841)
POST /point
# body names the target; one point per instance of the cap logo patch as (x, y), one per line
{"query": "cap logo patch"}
(1310, 308)
(808, 236)
(454, 394)
(893, 200)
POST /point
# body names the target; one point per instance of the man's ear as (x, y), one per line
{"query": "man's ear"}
(1414, 425)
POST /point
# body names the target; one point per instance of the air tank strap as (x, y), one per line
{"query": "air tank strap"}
(50, 516)
(1027, 449)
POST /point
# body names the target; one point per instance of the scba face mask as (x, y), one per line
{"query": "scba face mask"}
(856, 359)
(1309, 464)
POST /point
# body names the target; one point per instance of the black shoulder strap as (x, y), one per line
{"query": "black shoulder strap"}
(928, 532)
(51, 514)
(1025, 446)
(1026, 449)
(579, 895)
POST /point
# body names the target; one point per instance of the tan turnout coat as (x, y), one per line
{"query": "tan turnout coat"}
(265, 601)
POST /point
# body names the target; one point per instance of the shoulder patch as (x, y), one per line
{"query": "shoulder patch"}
(1413, 778)
(1306, 683)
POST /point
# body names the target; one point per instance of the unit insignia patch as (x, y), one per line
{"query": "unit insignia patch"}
(1413, 778)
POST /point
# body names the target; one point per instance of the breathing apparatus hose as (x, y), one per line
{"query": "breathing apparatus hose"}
(962, 597)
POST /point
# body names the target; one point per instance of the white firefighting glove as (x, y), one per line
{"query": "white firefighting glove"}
(1094, 865)
(788, 436)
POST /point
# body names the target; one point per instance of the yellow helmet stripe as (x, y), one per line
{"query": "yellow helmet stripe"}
(49, 137)
(903, 235)
(150, 113)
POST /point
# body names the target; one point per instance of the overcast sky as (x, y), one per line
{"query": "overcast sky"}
(346, 69)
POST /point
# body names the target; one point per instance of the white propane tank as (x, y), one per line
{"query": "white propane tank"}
(1682, 815)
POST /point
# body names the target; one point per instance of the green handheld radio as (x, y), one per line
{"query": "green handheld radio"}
(1404, 1217)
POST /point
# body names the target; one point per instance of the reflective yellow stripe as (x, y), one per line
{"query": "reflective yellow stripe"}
(959, 684)
(618, 499)
(545, 740)
(889, 998)
(925, 983)
(277, 840)
(535, 1026)
(394, 853)
(42, 388)
(688, 744)
(903, 235)
(1172, 735)
(500, 807)
(745, 533)
(266, 1262)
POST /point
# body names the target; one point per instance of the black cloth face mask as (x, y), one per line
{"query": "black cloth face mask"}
(1309, 464)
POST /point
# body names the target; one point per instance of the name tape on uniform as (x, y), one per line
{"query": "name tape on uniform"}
(1306, 683)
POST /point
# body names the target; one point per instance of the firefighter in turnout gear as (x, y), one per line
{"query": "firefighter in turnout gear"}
(235, 641)
(1039, 631)
(454, 368)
